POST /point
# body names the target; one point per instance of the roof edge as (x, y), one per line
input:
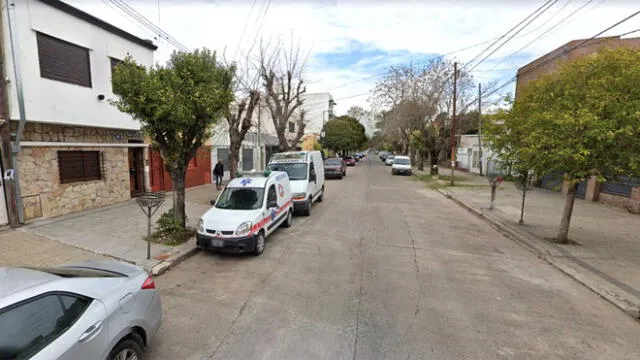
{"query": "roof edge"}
(75, 12)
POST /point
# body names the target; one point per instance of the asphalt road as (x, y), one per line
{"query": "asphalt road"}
(385, 269)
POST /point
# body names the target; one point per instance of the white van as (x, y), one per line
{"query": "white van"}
(250, 208)
(306, 173)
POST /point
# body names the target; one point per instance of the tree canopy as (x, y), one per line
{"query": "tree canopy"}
(582, 120)
(177, 105)
(344, 134)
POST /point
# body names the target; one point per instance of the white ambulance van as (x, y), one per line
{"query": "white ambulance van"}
(250, 208)
(306, 174)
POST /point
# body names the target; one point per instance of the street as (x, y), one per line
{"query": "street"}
(385, 269)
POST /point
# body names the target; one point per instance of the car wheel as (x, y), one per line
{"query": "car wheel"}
(340, 176)
(287, 223)
(259, 249)
(321, 197)
(393, 172)
(128, 349)
(307, 211)
(344, 173)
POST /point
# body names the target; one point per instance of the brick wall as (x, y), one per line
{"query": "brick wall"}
(534, 70)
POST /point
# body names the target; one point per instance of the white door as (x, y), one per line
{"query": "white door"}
(4, 217)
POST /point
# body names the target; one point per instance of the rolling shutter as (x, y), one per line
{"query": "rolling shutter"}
(75, 166)
(63, 61)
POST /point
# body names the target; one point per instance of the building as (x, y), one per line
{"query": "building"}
(76, 150)
(623, 192)
(318, 108)
(468, 156)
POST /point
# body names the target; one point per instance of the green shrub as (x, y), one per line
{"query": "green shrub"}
(170, 232)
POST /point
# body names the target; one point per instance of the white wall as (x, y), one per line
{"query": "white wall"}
(316, 106)
(59, 102)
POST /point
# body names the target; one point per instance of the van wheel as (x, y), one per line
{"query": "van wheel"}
(307, 211)
(287, 223)
(259, 244)
(321, 197)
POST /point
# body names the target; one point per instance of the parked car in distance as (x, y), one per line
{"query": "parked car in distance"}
(383, 155)
(349, 160)
(401, 165)
(91, 310)
(335, 167)
(389, 160)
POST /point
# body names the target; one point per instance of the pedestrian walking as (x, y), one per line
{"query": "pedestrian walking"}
(218, 173)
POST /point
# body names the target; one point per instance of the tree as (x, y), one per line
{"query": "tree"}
(583, 120)
(281, 70)
(239, 115)
(177, 105)
(344, 134)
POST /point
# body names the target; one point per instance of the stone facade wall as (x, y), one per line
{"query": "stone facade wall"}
(42, 193)
(44, 196)
(79, 134)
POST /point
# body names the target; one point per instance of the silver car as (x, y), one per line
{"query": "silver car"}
(92, 310)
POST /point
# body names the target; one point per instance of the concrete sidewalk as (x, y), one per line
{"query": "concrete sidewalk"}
(607, 257)
(118, 231)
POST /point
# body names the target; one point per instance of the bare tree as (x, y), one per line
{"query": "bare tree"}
(239, 116)
(281, 69)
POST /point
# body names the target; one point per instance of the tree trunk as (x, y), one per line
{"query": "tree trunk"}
(234, 160)
(433, 163)
(177, 179)
(563, 233)
(234, 157)
(421, 160)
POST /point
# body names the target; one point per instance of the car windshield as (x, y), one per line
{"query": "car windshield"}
(348, 158)
(333, 162)
(401, 161)
(241, 199)
(296, 171)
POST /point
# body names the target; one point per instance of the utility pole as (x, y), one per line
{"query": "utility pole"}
(260, 133)
(480, 126)
(5, 137)
(453, 121)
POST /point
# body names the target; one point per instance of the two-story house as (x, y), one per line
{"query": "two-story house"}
(76, 150)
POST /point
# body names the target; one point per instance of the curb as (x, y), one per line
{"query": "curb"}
(172, 261)
(629, 304)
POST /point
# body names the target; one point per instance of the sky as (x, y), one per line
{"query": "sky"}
(350, 43)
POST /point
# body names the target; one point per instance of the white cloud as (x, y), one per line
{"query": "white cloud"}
(409, 27)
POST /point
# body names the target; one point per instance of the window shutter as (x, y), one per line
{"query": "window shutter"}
(63, 61)
(75, 166)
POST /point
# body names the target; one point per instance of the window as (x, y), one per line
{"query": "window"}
(292, 126)
(75, 166)
(271, 195)
(295, 171)
(63, 61)
(244, 198)
(114, 63)
(28, 327)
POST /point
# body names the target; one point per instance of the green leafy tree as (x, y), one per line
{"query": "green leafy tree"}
(177, 105)
(344, 134)
(583, 120)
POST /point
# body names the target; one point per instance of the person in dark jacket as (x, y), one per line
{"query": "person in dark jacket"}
(218, 173)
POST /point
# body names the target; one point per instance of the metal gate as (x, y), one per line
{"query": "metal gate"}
(581, 190)
(247, 159)
(223, 154)
(622, 186)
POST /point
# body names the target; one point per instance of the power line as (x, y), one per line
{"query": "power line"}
(578, 45)
(505, 34)
(244, 29)
(511, 37)
(544, 34)
(123, 6)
